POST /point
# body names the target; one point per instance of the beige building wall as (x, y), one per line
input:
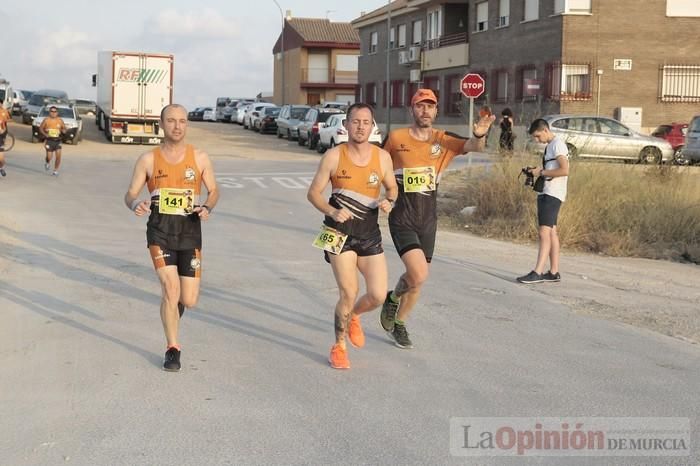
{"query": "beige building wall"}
(642, 33)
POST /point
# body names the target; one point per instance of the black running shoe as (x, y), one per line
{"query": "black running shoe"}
(172, 360)
(388, 313)
(551, 277)
(400, 336)
(3, 172)
(532, 277)
(180, 309)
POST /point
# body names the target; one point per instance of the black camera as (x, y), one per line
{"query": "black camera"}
(529, 176)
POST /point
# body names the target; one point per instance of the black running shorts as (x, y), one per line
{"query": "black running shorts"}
(547, 210)
(52, 145)
(406, 239)
(188, 262)
(362, 247)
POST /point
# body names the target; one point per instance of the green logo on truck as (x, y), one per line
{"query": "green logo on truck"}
(139, 75)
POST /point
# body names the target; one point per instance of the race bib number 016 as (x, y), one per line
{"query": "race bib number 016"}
(176, 201)
(330, 240)
(419, 179)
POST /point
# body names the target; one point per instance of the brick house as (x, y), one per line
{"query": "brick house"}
(320, 62)
(556, 56)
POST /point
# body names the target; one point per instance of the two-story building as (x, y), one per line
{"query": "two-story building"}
(624, 58)
(425, 44)
(318, 62)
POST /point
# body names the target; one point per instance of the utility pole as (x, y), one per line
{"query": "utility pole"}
(388, 68)
(282, 52)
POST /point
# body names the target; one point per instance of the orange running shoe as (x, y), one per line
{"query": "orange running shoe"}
(339, 358)
(355, 333)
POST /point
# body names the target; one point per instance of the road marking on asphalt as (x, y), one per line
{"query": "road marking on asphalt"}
(285, 180)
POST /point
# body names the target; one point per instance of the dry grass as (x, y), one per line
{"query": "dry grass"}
(614, 209)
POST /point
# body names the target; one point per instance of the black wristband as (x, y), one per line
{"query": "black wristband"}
(206, 207)
(478, 137)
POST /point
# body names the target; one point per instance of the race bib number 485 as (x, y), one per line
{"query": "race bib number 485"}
(419, 179)
(174, 201)
(330, 239)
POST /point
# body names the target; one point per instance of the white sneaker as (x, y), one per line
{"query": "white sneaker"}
(47, 166)
(55, 173)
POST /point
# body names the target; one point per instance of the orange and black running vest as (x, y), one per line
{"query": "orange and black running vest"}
(177, 232)
(357, 189)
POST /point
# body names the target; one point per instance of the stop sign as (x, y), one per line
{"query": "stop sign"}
(473, 85)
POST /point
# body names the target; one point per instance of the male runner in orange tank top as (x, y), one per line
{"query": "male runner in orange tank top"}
(420, 154)
(174, 173)
(53, 129)
(356, 171)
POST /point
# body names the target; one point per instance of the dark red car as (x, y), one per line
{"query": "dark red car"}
(674, 134)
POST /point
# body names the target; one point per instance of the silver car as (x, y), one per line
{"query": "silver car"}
(604, 138)
(691, 151)
(70, 117)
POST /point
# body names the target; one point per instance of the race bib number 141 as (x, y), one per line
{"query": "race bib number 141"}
(176, 201)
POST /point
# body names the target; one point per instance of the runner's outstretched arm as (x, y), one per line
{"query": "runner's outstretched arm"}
(391, 188)
(480, 130)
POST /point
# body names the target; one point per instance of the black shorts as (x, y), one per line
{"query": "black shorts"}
(188, 261)
(547, 210)
(362, 247)
(406, 239)
(2, 139)
(52, 145)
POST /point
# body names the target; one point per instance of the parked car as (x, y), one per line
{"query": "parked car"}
(266, 121)
(231, 110)
(41, 98)
(289, 119)
(314, 119)
(604, 138)
(70, 117)
(690, 153)
(334, 133)
(238, 110)
(255, 107)
(196, 115)
(339, 105)
(674, 133)
(208, 114)
(85, 107)
(20, 101)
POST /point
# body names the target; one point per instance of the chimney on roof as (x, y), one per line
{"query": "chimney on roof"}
(288, 15)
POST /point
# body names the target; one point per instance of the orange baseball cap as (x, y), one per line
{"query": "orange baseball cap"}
(423, 95)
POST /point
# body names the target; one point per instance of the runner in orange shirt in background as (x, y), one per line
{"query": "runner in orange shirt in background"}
(52, 128)
(5, 117)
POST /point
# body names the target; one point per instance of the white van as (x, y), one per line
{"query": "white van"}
(6, 94)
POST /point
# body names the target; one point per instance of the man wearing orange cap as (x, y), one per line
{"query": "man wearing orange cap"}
(420, 154)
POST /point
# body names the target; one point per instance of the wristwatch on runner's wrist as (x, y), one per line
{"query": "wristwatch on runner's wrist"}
(204, 206)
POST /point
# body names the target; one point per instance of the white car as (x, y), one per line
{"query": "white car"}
(209, 114)
(334, 133)
(256, 107)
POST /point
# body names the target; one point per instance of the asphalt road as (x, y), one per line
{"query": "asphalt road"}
(82, 345)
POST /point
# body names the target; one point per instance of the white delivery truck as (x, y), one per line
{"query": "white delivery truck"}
(132, 89)
(6, 94)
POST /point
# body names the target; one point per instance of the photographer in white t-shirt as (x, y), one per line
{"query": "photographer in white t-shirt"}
(556, 175)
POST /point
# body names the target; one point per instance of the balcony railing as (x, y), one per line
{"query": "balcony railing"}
(445, 41)
(328, 76)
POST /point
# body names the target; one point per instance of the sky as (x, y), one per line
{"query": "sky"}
(221, 48)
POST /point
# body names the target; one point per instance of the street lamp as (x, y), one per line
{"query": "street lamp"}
(282, 52)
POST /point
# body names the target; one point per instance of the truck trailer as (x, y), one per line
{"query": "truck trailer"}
(132, 89)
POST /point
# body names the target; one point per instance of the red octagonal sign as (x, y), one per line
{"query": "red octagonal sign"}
(473, 85)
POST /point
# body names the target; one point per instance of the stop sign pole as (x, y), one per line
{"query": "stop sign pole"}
(472, 86)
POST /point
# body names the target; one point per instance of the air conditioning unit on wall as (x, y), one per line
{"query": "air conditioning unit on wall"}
(403, 57)
(414, 54)
(414, 77)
